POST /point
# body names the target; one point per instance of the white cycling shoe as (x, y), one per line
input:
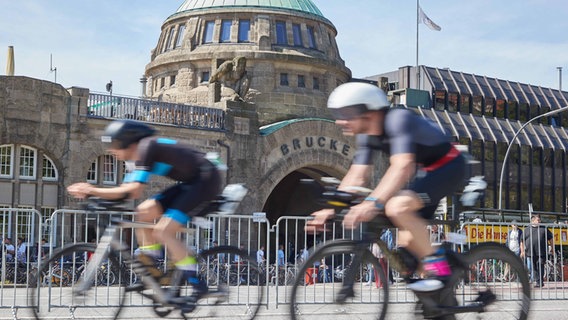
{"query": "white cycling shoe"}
(426, 285)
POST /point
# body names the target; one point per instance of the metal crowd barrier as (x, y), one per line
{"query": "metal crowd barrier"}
(21, 231)
(554, 258)
(250, 232)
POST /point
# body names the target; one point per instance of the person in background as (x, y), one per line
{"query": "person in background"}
(477, 220)
(305, 254)
(260, 256)
(534, 246)
(513, 242)
(21, 251)
(10, 249)
(237, 258)
(281, 257)
(514, 237)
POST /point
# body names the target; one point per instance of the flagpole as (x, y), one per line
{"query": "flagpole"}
(417, 38)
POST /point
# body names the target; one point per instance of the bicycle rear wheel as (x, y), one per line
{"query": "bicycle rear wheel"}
(320, 281)
(235, 288)
(54, 293)
(493, 268)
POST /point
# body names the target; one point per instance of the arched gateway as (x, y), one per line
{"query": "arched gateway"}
(294, 150)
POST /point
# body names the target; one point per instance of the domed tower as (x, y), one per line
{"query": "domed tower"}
(280, 56)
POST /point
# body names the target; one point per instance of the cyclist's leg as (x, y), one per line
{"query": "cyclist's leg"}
(184, 198)
(148, 211)
(423, 195)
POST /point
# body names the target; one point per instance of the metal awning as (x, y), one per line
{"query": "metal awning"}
(462, 131)
(497, 130)
(557, 137)
(511, 128)
(470, 123)
(484, 128)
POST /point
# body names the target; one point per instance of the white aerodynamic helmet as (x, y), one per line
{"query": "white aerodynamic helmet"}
(352, 99)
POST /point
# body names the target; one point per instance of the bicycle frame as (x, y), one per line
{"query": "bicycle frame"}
(110, 240)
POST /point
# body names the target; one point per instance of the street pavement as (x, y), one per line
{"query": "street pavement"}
(540, 309)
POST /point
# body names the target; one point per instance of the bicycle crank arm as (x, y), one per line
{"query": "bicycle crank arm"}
(473, 307)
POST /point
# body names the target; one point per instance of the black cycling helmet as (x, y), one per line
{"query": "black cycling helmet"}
(122, 133)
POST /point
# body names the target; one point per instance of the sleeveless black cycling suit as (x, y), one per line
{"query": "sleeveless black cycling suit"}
(198, 179)
(441, 168)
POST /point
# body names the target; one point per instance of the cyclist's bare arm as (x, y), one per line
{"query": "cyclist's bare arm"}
(401, 170)
(83, 189)
(357, 176)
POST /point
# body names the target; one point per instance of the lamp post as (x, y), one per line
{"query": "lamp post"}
(549, 113)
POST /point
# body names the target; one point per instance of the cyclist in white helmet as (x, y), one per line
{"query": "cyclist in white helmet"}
(424, 168)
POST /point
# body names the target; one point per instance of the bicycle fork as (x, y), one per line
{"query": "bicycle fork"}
(350, 274)
(101, 254)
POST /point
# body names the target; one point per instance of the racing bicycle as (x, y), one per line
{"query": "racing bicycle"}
(163, 290)
(470, 292)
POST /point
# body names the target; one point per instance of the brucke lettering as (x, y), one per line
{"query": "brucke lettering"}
(320, 142)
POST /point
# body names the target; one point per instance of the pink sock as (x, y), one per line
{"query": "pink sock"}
(437, 266)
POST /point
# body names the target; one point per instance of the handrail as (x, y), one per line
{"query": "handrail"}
(152, 111)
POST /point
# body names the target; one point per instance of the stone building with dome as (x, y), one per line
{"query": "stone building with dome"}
(249, 80)
(286, 52)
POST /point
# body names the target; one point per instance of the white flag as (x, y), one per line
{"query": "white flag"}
(423, 18)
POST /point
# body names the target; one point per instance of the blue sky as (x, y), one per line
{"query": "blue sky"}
(93, 42)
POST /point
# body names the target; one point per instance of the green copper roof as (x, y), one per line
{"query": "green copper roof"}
(305, 6)
(273, 127)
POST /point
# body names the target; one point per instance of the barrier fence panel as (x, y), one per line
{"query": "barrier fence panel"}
(296, 245)
(21, 249)
(76, 226)
(280, 248)
(551, 256)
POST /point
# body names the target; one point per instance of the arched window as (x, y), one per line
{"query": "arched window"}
(49, 171)
(23, 168)
(6, 161)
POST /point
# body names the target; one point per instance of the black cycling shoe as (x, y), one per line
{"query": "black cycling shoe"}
(188, 304)
(486, 297)
(200, 289)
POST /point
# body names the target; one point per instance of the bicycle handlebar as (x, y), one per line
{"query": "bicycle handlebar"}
(99, 204)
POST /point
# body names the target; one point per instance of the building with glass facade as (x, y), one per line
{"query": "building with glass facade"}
(484, 113)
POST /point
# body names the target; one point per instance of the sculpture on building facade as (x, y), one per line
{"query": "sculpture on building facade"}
(232, 74)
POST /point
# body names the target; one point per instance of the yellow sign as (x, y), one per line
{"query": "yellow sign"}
(485, 233)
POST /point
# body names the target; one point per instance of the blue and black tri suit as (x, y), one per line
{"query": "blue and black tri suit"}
(198, 179)
(441, 167)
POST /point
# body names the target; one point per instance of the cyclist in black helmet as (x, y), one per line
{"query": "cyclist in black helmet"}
(424, 167)
(197, 181)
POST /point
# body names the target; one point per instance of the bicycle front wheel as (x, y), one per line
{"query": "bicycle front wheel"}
(329, 273)
(54, 290)
(494, 276)
(234, 288)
